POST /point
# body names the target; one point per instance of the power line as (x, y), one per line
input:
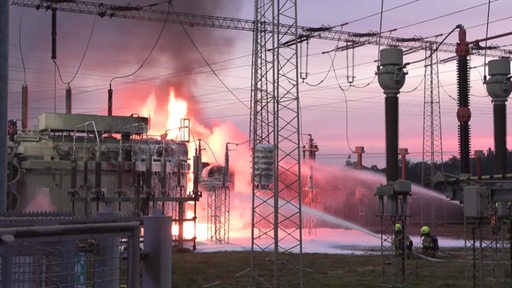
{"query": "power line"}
(81, 60)
(150, 51)
(21, 51)
(382, 11)
(28, 2)
(442, 16)
(142, 80)
(326, 33)
(208, 64)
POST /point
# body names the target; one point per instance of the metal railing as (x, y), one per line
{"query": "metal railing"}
(56, 252)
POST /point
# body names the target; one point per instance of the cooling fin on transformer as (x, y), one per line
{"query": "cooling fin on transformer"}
(62, 122)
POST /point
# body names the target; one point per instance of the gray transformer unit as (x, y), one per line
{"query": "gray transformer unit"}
(87, 164)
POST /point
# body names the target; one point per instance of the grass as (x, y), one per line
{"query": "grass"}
(231, 269)
(454, 268)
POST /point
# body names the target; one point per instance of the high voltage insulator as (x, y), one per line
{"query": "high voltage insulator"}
(463, 112)
(54, 33)
(499, 88)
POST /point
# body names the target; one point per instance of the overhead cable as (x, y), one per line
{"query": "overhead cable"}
(486, 36)
(444, 15)
(150, 51)
(21, 50)
(380, 12)
(81, 61)
(380, 33)
(346, 111)
(435, 49)
(208, 64)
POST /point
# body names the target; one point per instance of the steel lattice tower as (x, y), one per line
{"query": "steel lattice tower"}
(432, 136)
(218, 214)
(218, 202)
(276, 187)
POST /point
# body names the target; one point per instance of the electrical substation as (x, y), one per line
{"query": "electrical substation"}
(121, 197)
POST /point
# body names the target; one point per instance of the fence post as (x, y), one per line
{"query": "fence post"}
(134, 275)
(108, 257)
(158, 250)
(6, 255)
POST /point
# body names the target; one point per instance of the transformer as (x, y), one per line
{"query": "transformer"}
(87, 164)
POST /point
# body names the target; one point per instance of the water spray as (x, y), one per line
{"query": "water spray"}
(336, 220)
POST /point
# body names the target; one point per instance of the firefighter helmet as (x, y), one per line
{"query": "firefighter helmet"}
(425, 230)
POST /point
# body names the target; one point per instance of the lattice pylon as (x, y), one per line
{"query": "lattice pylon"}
(276, 220)
(432, 135)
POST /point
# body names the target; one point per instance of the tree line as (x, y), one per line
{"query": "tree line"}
(416, 171)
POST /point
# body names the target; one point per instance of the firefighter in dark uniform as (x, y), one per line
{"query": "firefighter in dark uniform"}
(400, 239)
(429, 243)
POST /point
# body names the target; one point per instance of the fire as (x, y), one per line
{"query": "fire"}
(177, 110)
(169, 124)
(188, 228)
(149, 106)
(166, 124)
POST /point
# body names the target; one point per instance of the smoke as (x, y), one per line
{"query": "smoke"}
(116, 51)
(179, 47)
(183, 51)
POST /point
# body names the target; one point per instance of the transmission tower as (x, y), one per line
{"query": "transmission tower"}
(276, 237)
(432, 136)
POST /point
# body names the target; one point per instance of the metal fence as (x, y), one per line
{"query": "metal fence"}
(57, 252)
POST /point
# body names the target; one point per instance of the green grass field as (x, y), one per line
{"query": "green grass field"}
(454, 268)
(231, 269)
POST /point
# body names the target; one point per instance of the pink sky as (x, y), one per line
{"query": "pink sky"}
(118, 47)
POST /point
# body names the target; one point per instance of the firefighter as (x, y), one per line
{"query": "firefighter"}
(399, 242)
(429, 242)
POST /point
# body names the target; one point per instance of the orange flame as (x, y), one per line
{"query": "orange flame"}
(149, 106)
(177, 110)
(169, 123)
(188, 228)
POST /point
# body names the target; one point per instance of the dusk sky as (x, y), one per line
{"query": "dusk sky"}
(339, 115)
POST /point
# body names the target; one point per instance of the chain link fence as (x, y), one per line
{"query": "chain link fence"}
(69, 252)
